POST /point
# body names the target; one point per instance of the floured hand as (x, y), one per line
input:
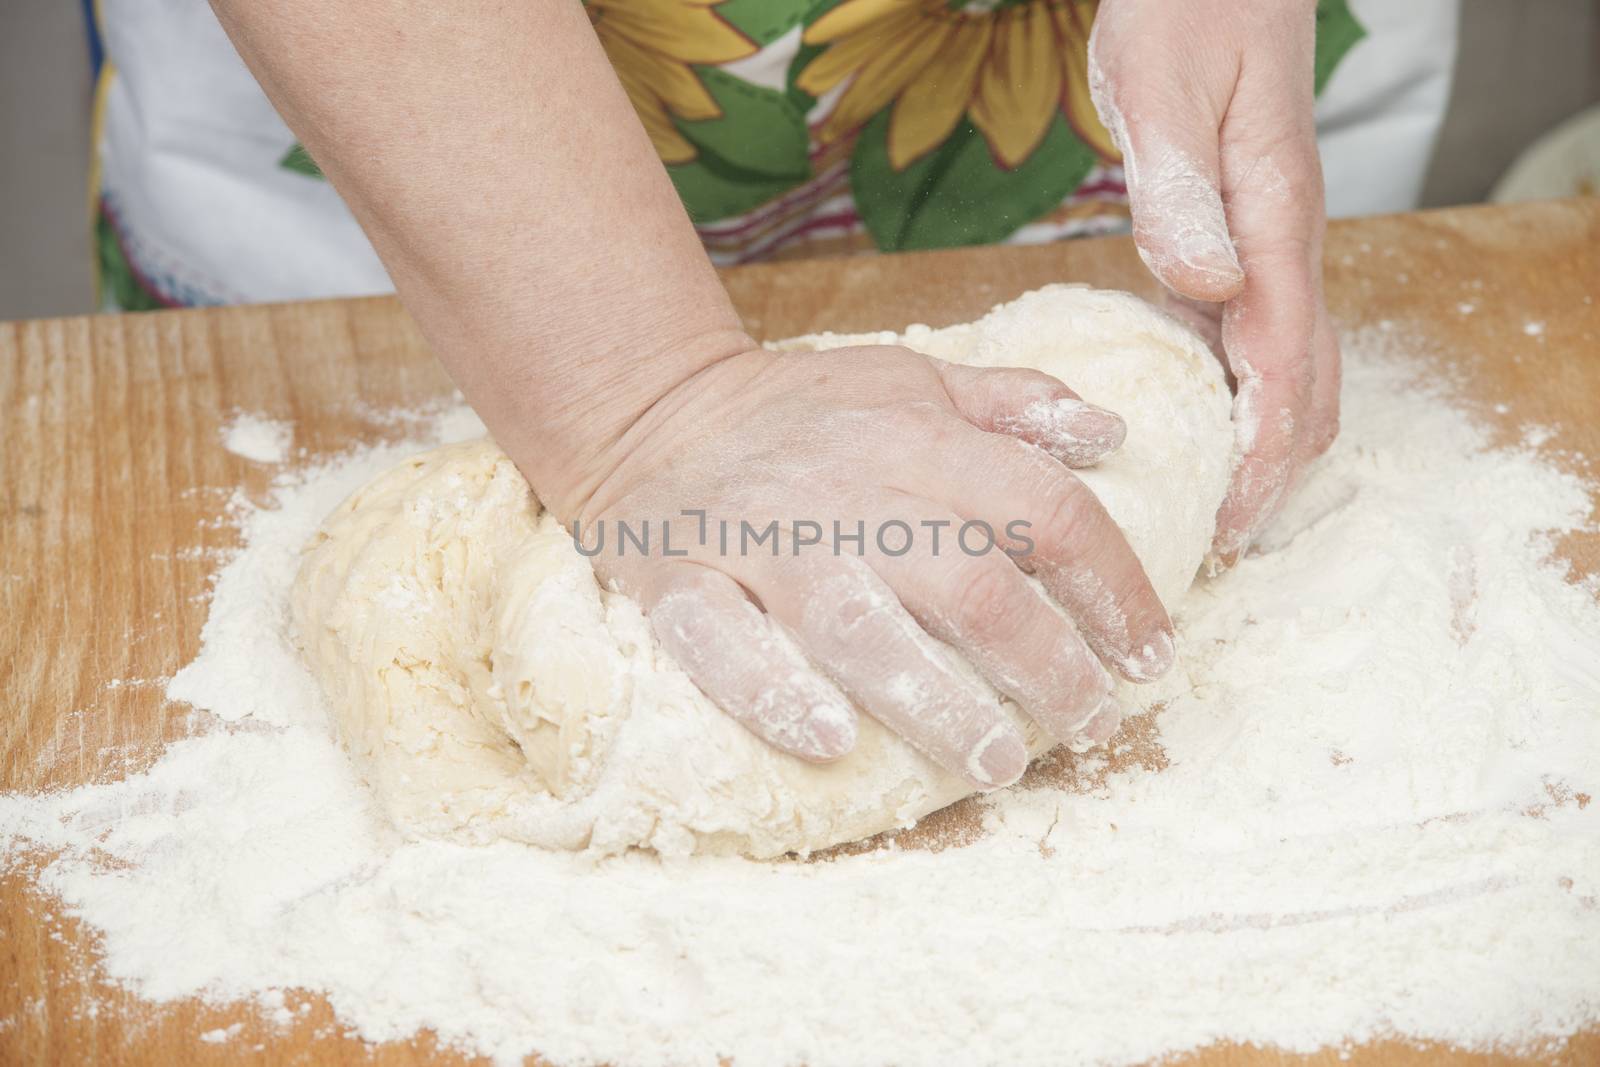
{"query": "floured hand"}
(1210, 102)
(880, 436)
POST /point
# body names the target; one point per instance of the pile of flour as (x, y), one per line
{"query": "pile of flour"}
(1370, 814)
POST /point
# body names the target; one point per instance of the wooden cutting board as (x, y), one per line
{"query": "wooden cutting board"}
(114, 477)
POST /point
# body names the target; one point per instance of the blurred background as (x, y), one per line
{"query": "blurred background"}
(1524, 66)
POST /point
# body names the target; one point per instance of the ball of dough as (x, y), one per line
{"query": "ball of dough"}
(487, 686)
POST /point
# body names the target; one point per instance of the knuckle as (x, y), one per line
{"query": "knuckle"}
(986, 606)
(691, 625)
(680, 607)
(1292, 379)
(1068, 520)
(921, 417)
(847, 617)
(1011, 389)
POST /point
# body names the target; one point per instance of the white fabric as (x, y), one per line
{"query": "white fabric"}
(1380, 113)
(189, 155)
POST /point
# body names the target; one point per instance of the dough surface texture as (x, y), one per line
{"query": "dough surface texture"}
(487, 687)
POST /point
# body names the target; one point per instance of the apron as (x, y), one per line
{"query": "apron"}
(789, 128)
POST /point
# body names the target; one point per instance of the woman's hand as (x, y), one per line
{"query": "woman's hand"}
(1211, 104)
(913, 447)
(503, 175)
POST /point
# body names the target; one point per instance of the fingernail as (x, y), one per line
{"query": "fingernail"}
(999, 759)
(1225, 553)
(1152, 659)
(830, 732)
(1210, 253)
(1073, 431)
(1094, 702)
(1103, 725)
(1100, 727)
(1095, 427)
(1229, 546)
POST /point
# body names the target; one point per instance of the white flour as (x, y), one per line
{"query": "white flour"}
(258, 438)
(1375, 819)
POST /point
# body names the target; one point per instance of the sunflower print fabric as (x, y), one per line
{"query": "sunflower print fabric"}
(814, 127)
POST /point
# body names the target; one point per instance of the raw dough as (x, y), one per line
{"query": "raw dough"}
(487, 687)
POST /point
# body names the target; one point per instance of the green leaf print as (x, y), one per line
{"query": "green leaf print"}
(1337, 33)
(958, 194)
(802, 100)
(709, 194)
(763, 21)
(755, 151)
(299, 160)
(759, 131)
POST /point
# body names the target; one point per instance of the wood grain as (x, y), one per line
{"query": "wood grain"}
(115, 488)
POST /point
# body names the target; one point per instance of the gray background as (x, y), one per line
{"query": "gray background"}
(1524, 66)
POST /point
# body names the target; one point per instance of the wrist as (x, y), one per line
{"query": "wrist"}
(570, 432)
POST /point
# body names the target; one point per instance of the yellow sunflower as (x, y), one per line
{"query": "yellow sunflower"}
(651, 45)
(1007, 67)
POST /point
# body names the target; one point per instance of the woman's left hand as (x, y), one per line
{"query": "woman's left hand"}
(1210, 102)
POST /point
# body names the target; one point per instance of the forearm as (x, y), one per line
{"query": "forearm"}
(501, 174)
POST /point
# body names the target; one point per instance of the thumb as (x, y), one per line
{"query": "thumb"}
(1034, 407)
(1169, 137)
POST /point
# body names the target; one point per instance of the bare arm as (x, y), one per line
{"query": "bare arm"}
(497, 166)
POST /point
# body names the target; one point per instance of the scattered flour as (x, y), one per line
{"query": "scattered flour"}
(1374, 816)
(1537, 436)
(221, 1034)
(258, 438)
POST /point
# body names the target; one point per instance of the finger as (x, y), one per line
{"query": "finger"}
(1324, 422)
(852, 625)
(743, 661)
(1034, 407)
(1168, 135)
(983, 605)
(1099, 731)
(1062, 534)
(1275, 333)
(1273, 392)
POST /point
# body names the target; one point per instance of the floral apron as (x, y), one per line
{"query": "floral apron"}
(789, 128)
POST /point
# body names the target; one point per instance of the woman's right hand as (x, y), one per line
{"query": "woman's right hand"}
(790, 638)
